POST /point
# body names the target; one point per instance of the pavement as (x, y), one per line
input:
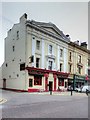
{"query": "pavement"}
(67, 93)
(61, 93)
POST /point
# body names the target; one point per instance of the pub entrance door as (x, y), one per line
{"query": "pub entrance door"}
(4, 83)
(50, 86)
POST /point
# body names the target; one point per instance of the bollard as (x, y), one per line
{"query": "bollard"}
(50, 92)
(71, 92)
(86, 92)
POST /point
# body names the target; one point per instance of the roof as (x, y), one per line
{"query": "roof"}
(44, 27)
(79, 47)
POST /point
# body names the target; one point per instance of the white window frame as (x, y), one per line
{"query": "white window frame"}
(50, 65)
(61, 68)
(38, 62)
(50, 49)
(79, 58)
(38, 45)
(61, 52)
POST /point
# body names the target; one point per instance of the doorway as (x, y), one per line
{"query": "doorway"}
(50, 86)
(4, 83)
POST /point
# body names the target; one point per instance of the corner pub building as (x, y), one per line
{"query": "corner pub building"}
(35, 57)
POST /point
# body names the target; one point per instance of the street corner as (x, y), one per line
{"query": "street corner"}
(2, 100)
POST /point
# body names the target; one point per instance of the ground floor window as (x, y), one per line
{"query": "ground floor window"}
(37, 80)
(60, 82)
(79, 84)
(66, 84)
(70, 82)
(30, 83)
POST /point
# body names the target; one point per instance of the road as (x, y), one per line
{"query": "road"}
(26, 105)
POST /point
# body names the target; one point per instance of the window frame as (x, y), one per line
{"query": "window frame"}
(30, 82)
(50, 64)
(50, 49)
(37, 62)
(37, 44)
(31, 59)
(61, 52)
(22, 66)
(79, 58)
(61, 65)
(79, 70)
(70, 68)
(17, 35)
(13, 48)
(6, 65)
(37, 80)
(70, 56)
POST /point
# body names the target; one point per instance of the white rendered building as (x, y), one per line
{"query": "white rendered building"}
(36, 57)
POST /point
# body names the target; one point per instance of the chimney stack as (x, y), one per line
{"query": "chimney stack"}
(68, 36)
(76, 42)
(23, 18)
(84, 45)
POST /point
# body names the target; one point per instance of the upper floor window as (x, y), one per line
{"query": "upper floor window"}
(60, 66)
(13, 47)
(88, 71)
(37, 62)
(79, 58)
(50, 65)
(70, 54)
(61, 52)
(79, 70)
(6, 64)
(17, 75)
(38, 45)
(50, 49)
(70, 68)
(22, 66)
(33, 37)
(17, 35)
(88, 62)
(9, 76)
(31, 59)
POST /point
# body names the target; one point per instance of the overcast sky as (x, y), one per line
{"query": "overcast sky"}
(69, 17)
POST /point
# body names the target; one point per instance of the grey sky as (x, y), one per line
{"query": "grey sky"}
(69, 17)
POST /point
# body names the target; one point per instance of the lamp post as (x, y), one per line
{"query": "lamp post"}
(71, 90)
(74, 81)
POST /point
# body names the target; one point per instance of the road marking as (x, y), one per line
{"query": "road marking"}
(2, 100)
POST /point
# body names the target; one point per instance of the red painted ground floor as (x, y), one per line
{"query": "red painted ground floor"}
(46, 80)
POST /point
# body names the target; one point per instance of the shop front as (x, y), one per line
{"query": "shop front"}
(79, 81)
(38, 80)
(45, 80)
(70, 80)
(62, 81)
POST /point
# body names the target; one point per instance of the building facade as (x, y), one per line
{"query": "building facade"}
(1, 81)
(78, 64)
(39, 57)
(36, 57)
